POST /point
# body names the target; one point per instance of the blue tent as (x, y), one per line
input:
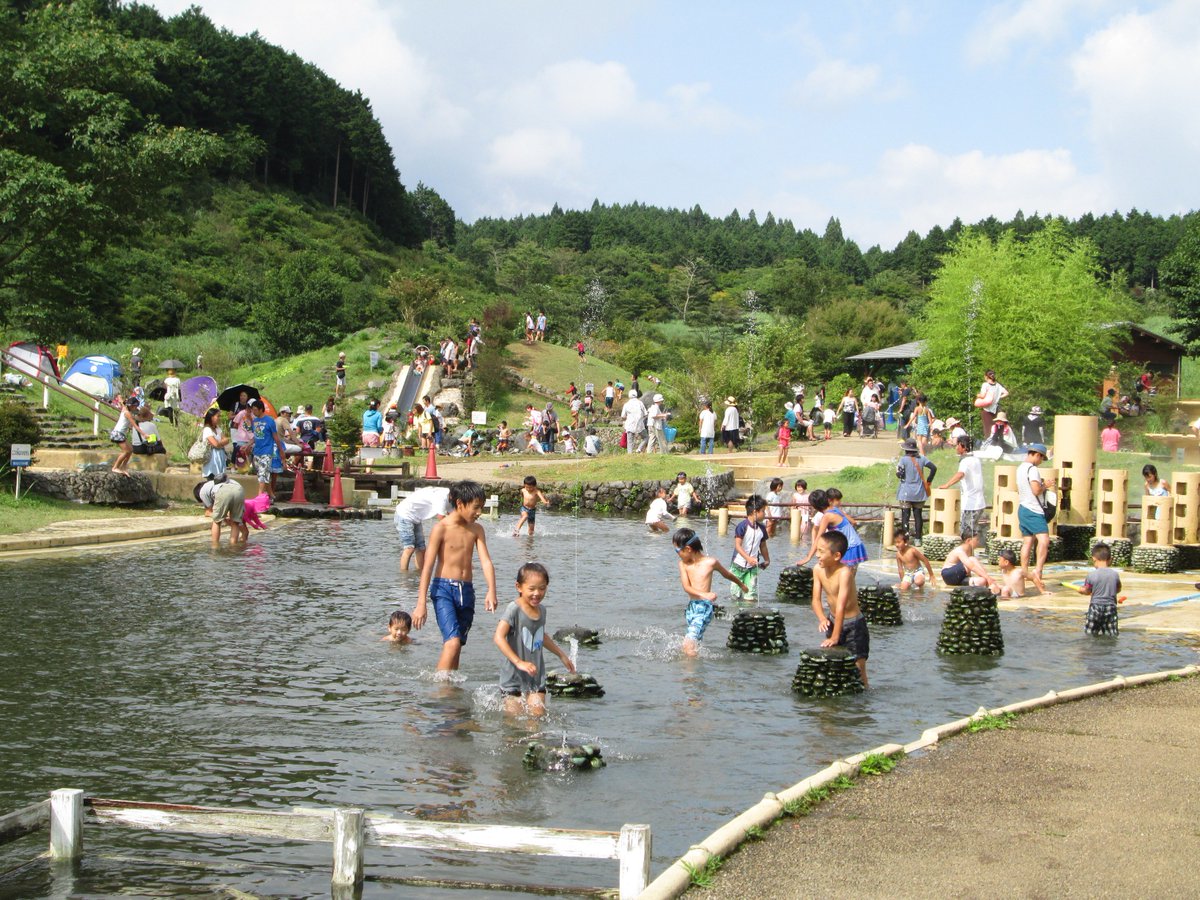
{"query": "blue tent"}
(95, 375)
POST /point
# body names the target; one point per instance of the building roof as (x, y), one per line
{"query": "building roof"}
(1154, 336)
(911, 350)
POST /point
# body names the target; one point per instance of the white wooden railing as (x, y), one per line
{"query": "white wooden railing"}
(349, 830)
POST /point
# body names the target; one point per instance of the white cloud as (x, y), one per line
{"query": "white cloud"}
(920, 187)
(1028, 22)
(357, 45)
(1140, 76)
(550, 154)
(577, 91)
(835, 82)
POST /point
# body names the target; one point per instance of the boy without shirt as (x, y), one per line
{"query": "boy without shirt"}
(446, 575)
(1012, 576)
(695, 574)
(845, 625)
(962, 568)
(909, 560)
(531, 496)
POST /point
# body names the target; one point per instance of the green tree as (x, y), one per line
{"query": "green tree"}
(1181, 278)
(82, 160)
(850, 326)
(301, 304)
(1033, 310)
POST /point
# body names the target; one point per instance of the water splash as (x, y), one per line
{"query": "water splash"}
(573, 651)
(969, 340)
(751, 300)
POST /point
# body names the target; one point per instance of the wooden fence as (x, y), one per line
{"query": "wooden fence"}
(349, 830)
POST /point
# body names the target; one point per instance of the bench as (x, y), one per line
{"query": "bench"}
(1184, 448)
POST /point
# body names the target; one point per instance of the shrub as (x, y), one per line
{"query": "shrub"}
(345, 429)
(18, 425)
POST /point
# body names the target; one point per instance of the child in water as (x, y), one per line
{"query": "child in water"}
(1102, 585)
(521, 635)
(399, 624)
(962, 568)
(909, 560)
(844, 626)
(531, 496)
(800, 499)
(695, 575)
(750, 549)
(775, 512)
(828, 505)
(1012, 576)
(446, 577)
(657, 515)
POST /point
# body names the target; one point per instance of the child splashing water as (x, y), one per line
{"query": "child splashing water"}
(695, 575)
(521, 635)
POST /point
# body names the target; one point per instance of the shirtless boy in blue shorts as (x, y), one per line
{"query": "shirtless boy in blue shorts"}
(446, 575)
(695, 574)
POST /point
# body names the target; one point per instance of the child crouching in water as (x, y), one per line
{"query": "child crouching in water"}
(399, 624)
(695, 574)
(909, 560)
(521, 634)
(845, 625)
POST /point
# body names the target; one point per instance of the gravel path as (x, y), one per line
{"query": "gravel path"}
(1097, 798)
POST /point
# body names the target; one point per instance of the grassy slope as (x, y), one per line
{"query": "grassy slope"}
(556, 367)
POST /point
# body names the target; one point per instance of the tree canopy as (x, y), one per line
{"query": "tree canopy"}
(1033, 310)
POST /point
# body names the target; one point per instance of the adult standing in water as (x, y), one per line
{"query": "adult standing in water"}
(991, 392)
(913, 491)
(1031, 512)
(731, 424)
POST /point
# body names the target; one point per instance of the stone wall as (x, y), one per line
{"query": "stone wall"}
(628, 497)
(104, 487)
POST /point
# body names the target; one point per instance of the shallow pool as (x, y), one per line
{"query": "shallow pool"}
(182, 674)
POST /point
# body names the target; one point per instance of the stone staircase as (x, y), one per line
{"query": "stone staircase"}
(60, 431)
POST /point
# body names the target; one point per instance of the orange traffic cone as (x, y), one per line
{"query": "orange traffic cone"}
(335, 490)
(327, 466)
(431, 465)
(298, 488)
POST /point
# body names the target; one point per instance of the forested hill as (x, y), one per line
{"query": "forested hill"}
(1130, 246)
(118, 124)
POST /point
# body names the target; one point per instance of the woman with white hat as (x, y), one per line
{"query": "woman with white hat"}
(731, 425)
(657, 420)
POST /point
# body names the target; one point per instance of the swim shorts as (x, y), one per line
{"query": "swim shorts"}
(411, 534)
(748, 577)
(1101, 619)
(855, 637)
(530, 514)
(954, 575)
(697, 615)
(910, 576)
(453, 606)
(1031, 522)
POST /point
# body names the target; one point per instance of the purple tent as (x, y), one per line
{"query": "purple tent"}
(198, 395)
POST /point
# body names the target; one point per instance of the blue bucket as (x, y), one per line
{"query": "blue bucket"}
(670, 432)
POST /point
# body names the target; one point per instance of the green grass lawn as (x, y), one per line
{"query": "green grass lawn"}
(877, 483)
(32, 512)
(556, 367)
(617, 467)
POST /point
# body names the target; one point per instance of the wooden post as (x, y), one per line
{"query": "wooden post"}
(45, 392)
(722, 521)
(795, 532)
(348, 847)
(633, 854)
(889, 529)
(96, 417)
(66, 824)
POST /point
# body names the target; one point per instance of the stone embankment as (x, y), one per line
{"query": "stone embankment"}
(103, 487)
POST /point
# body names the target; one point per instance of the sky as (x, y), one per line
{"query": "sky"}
(890, 116)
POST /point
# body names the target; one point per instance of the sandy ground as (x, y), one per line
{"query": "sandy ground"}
(1097, 798)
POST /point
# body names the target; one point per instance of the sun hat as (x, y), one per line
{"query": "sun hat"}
(951, 422)
(1036, 448)
(910, 446)
(658, 398)
(1001, 417)
(731, 401)
(1036, 411)
(633, 395)
(285, 409)
(788, 405)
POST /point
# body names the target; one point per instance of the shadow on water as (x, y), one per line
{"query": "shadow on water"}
(258, 678)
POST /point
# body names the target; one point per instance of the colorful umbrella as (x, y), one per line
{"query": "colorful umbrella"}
(197, 394)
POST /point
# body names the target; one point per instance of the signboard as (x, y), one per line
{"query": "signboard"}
(374, 359)
(19, 455)
(479, 417)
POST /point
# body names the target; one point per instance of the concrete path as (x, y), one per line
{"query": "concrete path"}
(1096, 798)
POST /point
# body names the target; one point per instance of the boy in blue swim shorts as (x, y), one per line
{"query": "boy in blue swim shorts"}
(695, 574)
(446, 574)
